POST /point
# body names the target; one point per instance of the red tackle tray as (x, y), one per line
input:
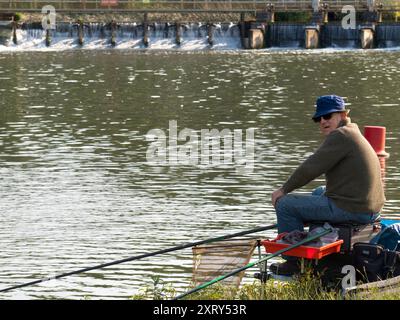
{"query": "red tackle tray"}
(271, 246)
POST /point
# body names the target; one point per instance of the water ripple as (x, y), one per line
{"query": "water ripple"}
(77, 190)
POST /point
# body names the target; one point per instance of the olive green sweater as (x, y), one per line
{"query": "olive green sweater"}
(351, 168)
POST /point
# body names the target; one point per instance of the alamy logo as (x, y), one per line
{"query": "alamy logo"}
(49, 19)
(349, 20)
(202, 148)
(349, 280)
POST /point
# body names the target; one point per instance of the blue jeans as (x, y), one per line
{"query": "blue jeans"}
(292, 210)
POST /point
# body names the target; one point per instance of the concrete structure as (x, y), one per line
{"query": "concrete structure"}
(114, 27)
(145, 30)
(48, 38)
(367, 37)
(178, 33)
(14, 26)
(80, 33)
(210, 34)
(312, 37)
(256, 39)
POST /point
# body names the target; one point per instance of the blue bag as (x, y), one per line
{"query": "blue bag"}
(389, 237)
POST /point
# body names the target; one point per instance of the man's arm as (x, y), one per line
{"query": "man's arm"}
(332, 150)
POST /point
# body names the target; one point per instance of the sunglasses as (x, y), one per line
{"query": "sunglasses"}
(325, 116)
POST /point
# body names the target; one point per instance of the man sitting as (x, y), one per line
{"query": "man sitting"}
(354, 190)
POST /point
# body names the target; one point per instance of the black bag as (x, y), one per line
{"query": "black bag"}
(374, 263)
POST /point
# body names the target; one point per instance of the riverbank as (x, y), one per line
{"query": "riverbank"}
(308, 287)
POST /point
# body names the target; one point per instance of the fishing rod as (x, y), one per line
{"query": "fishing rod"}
(145, 255)
(252, 264)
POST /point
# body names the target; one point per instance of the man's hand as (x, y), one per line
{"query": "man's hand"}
(276, 195)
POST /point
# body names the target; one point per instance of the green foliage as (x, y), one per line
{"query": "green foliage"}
(390, 16)
(385, 296)
(158, 291)
(18, 16)
(338, 16)
(374, 293)
(293, 16)
(307, 286)
(217, 291)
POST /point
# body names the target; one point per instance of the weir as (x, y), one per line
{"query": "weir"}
(249, 35)
(286, 35)
(387, 35)
(258, 25)
(333, 35)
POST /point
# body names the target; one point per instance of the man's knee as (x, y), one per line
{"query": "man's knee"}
(284, 203)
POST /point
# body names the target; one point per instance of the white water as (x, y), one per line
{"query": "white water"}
(193, 37)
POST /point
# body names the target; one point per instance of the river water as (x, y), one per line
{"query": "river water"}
(77, 190)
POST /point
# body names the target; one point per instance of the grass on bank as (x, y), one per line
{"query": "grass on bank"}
(306, 287)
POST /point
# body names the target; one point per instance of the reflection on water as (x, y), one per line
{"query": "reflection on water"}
(74, 183)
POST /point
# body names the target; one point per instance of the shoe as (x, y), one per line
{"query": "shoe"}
(287, 268)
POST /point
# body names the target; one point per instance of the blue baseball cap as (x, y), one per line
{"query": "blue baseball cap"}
(329, 104)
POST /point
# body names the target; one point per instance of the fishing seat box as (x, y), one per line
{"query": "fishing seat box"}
(351, 233)
(304, 251)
